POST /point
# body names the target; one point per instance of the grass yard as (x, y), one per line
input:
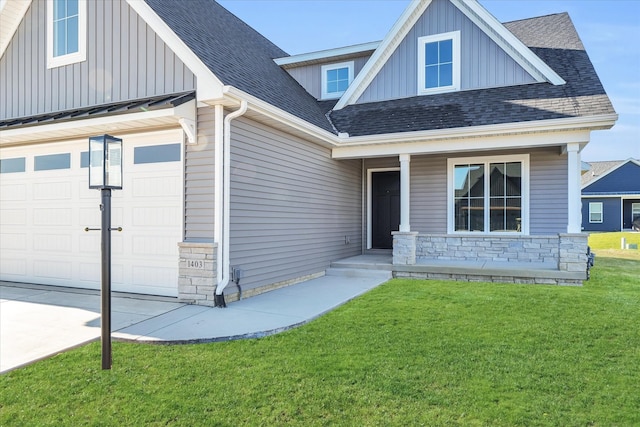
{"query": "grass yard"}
(408, 353)
(608, 244)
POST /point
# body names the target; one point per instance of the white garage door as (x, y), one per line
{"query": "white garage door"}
(45, 204)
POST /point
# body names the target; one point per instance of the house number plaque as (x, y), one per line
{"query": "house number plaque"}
(198, 264)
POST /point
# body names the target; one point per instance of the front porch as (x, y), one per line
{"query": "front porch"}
(555, 260)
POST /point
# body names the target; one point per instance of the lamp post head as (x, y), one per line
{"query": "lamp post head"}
(105, 162)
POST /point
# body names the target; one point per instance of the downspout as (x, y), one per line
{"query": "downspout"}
(226, 205)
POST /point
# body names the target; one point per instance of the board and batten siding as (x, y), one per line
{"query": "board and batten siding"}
(199, 172)
(294, 209)
(483, 63)
(125, 60)
(310, 76)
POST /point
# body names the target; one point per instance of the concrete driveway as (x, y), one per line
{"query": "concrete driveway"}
(40, 321)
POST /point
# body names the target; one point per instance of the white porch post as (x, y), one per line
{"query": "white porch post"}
(574, 220)
(405, 192)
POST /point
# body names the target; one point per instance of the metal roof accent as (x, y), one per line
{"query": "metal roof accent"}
(145, 104)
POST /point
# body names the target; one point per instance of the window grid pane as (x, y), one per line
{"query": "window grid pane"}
(469, 197)
(337, 80)
(438, 64)
(65, 27)
(501, 208)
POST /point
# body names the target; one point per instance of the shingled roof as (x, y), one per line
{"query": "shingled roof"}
(553, 38)
(238, 55)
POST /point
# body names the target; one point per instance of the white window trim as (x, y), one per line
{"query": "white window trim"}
(452, 162)
(593, 204)
(422, 41)
(323, 70)
(72, 58)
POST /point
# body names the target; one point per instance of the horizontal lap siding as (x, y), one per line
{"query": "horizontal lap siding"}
(200, 179)
(549, 192)
(125, 60)
(548, 189)
(429, 194)
(291, 205)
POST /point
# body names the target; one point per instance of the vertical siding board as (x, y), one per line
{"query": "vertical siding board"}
(151, 62)
(108, 73)
(116, 69)
(28, 65)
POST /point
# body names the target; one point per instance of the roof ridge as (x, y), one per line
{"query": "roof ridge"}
(535, 17)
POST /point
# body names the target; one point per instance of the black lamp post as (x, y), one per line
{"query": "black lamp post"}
(105, 174)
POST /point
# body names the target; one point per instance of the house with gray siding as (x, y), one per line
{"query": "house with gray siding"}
(451, 148)
(611, 196)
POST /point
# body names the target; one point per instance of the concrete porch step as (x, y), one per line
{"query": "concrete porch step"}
(359, 272)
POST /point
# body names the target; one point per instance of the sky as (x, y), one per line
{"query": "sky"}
(609, 29)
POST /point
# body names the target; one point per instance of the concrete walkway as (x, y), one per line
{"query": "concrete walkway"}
(39, 321)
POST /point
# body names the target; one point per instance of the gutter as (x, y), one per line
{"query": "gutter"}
(224, 200)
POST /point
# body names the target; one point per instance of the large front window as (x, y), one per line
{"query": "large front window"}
(488, 195)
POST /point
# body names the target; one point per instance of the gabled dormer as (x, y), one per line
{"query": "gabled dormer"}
(439, 46)
(327, 74)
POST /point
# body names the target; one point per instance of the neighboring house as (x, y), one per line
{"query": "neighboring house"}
(456, 139)
(611, 196)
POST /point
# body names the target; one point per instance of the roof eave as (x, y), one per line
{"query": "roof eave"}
(11, 14)
(580, 127)
(266, 109)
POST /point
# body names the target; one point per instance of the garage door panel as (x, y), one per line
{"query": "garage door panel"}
(13, 216)
(158, 186)
(90, 217)
(157, 275)
(48, 268)
(52, 242)
(155, 216)
(12, 191)
(13, 241)
(89, 243)
(15, 268)
(52, 191)
(44, 213)
(52, 216)
(155, 245)
(90, 272)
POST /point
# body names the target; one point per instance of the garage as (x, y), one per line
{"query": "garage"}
(45, 205)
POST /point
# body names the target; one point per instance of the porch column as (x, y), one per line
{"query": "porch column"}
(405, 192)
(574, 220)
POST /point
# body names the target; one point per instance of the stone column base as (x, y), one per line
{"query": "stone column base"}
(404, 247)
(197, 272)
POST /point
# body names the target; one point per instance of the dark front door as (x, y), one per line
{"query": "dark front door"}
(385, 208)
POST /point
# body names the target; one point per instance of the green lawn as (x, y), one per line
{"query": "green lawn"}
(407, 353)
(608, 244)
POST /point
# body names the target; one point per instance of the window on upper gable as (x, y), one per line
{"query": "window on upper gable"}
(336, 78)
(66, 32)
(439, 63)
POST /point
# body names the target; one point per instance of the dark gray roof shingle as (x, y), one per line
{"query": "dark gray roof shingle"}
(238, 55)
(553, 38)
